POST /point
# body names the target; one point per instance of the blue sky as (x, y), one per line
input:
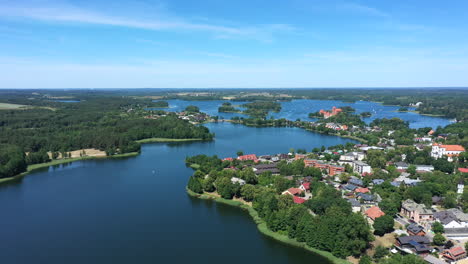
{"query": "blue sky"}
(216, 44)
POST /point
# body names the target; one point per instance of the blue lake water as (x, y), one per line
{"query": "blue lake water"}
(67, 101)
(135, 210)
(300, 109)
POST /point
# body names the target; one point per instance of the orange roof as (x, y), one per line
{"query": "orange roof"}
(464, 170)
(361, 190)
(450, 147)
(455, 251)
(298, 200)
(248, 157)
(294, 191)
(453, 147)
(374, 212)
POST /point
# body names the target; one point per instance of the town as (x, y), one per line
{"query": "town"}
(412, 197)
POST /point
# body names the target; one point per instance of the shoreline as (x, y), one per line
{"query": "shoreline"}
(263, 229)
(165, 140)
(31, 168)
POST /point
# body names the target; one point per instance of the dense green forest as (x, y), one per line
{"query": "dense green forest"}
(228, 108)
(104, 122)
(260, 109)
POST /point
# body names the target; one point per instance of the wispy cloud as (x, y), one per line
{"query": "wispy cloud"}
(72, 14)
(363, 9)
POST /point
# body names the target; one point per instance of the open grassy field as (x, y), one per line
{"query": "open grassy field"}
(6, 106)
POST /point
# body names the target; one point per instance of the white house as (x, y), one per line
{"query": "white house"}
(460, 187)
(439, 150)
(361, 167)
(424, 168)
(235, 180)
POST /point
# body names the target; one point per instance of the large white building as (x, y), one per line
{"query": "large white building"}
(361, 167)
(439, 150)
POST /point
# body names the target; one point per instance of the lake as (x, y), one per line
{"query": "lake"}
(301, 108)
(135, 210)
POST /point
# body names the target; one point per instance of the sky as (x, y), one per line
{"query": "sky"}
(233, 44)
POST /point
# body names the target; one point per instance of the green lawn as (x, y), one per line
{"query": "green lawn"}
(6, 106)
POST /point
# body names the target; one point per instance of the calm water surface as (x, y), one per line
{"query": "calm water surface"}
(136, 210)
(301, 108)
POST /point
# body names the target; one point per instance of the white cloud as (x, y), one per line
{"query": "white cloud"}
(72, 14)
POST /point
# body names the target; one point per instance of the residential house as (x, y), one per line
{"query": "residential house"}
(378, 181)
(366, 198)
(460, 186)
(293, 191)
(415, 230)
(374, 213)
(417, 212)
(423, 139)
(350, 187)
(298, 200)
(414, 244)
(300, 156)
(348, 157)
(455, 222)
(433, 260)
(424, 168)
(454, 254)
(261, 168)
(463, 170)
(355, 205)
(235, 180)
(451, 151)
(252, 157)
(362, 190)
(305, 186)
(356, 181)
(401, 165)
(334, 169)
(361, 167)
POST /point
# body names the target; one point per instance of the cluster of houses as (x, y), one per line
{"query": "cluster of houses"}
(417, 218)
(336, 126)
(193, 117)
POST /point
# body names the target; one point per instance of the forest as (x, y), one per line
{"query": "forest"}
(109, 123)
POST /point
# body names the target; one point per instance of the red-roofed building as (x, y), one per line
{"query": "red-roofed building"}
(333, 169)
(463, 170)
(305, 186)
(298, 200)
(293, 191)
(439, 150)
(228, 159)
(374, 213)
(248, 157)
(454, 254)
(333, 112)
(361, 190)
(310, 162)
(300, 156)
